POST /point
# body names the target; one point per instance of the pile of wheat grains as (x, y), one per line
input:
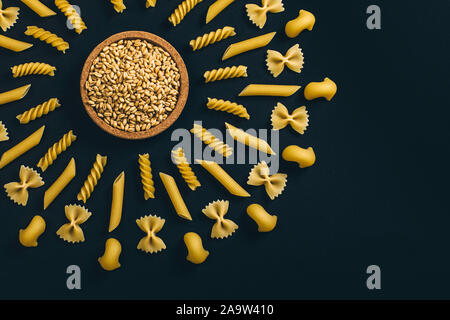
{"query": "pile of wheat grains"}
(133, 85)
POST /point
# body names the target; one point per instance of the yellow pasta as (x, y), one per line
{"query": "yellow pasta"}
(274, 184)
(55, 150)
(32, 68)
(72, 15)
(217, 7)
(225, 73)
(223, 228)
(13, 44)
(196, 253)
(8, 16)
(180, 12)
(212, 37)
(18, 191)
(150, 3)
(71, 232)
(223, 178)
(92, 179)
(14, 95)
(28, 236)
(304, 157)
(298, 120)
(110, 259)
(258, 15)
(60, 183)
(228, 106)
(304, 21)
(276, 90)
(3, 132)
(263, 219)
(325, 89)
(48, 37)
(293, 59)
(146, 176)
(119, 6)
(175, 196)
(247, 45)
(38, 7)
(38, 111)
(19, 149)
(151, 225)
(117, 201)
(185, 169)
(249, 140)
(211, 141)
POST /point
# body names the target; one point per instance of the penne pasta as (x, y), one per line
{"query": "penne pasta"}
(117, 201)
(249, 140)
(175, 196)
(60, 183)
(216, 8)
(14, 95)
(276, 90)
(13, 44)
(41, 9)
(247, 45)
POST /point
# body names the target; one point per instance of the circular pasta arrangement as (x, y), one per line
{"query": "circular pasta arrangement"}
(134, 85)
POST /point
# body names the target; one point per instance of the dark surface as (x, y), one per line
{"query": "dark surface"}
(376, 194)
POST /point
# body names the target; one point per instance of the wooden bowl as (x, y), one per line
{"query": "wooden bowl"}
(182, 96)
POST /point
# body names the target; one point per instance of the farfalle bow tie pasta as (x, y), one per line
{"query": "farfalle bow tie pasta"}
(8, 16)
(151, 225)
(18, 191)
(274, 184)
(293, 59)
(298, 120)
(71, 232)
(258, 15)
(216, 210)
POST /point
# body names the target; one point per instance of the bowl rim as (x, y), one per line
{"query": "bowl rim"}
(182, 95)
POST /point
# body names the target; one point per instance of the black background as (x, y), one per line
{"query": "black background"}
(376, 194)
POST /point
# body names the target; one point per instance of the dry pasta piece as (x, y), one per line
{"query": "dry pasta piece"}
(175, 196)
(38, 7)
(185, 169)
(247, 45)
(263, 219)
(223, 228)
(180, 12)
(110, 259)
(18, 191)
(55, 150)
(29, 68)
(276, 90)
(119, 6)
(38, 111)
(325, 89)
(293, 59)
(305, 20)
(274, 184)
(117, 202)
(228, 106)
(146, 176)
(258, 15)
(151, 225)
(60, 183)
(92, 179)
(71, 232)
(14, 95)
(249, 140)
(212, 37)
(13, 44)
(28, 236)
(3, 132)
(223, 178)
(19, 149)
(72, 15)
(298, 120)
(217, 7)
(304, 157)
(225, 73)
(48, 37)
(150, 3)
(8, 16)
(211, 141)
(196, 253)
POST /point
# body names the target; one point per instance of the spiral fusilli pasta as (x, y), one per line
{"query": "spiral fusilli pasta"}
(119, 6)
(185, 169)
(71, 14)
(212, 37)
(92, 179)
(55, 150)
(211, 140)
(225, 73)
(228, 106)
(180, 12)
(38, 111)
(48, 37)
(30, 68)
(146, 176)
